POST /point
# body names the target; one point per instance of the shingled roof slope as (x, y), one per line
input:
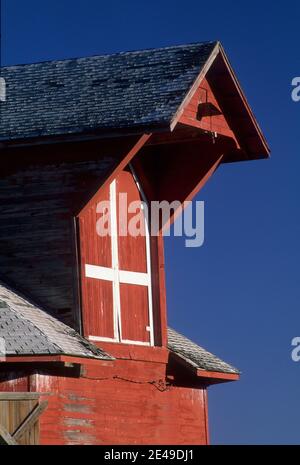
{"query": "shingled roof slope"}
(195, 355)
(28, 330)
(123, 90)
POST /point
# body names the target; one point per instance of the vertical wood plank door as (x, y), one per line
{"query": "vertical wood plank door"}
(95, 251)
(134, 261)
(116, 268)
(19, 418)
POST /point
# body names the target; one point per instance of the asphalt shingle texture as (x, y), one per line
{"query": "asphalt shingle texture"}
(123, 90)
(27, 330)
(196, 355)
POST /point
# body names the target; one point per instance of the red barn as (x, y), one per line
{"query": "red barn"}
(88, 357)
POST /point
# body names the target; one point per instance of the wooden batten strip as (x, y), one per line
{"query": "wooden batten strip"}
(20, 395)
(7, 438)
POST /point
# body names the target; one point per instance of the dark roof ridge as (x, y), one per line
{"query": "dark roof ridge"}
(106, 55)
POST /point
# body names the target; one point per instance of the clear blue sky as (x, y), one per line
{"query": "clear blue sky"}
(239, 294)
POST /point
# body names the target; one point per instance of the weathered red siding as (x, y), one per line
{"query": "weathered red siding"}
(122, 406)
(14, 381)
(120, 402)
(97, 303)
(204, 112)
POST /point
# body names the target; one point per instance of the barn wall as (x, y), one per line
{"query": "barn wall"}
(38, 200)
(14, 380)
(121, 402)
(129, 409)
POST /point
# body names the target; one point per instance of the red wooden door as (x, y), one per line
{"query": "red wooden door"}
(97, 303)
(115, 267)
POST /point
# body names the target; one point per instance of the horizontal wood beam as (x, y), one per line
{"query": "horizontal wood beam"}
(210, 377)
(184, 133)
(66, 359)
(216, 375)
(20, 395)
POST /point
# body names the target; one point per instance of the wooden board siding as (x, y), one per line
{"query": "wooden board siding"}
(130, 403)
(12, 415)
(14, 380)
(97, 308)
(134, 312)
(132, 250)
(204, 112)
(38, 201)
(96, 295)
(135, 304)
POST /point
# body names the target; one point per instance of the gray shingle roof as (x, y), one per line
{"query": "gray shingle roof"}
(27, 329)
(196, 355)
(123, 90)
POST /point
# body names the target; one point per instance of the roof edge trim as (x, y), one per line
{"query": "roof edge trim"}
(244, 99)
(195, 85)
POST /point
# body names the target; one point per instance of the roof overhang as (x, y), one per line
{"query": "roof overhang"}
(64, 359)
(235, 107)
(204, 376)
(226, 87)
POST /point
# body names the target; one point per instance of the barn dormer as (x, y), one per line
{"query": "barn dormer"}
(149, 126)
(154, 126)
(82, 277)
(121, 276)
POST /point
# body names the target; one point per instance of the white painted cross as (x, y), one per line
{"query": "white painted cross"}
(117, 276)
